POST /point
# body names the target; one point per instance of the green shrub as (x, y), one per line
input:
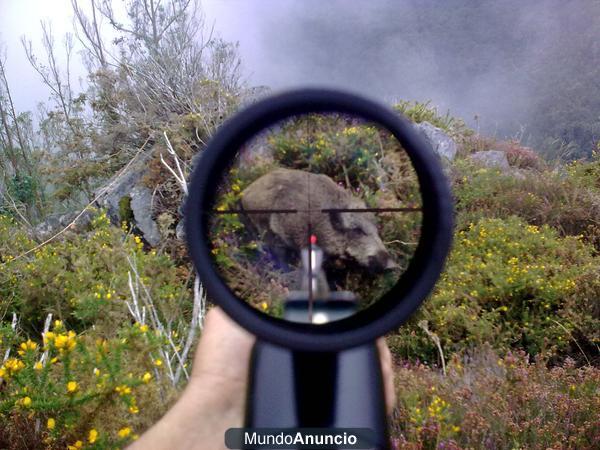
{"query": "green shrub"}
(586, 173)
(423, 112)
(514, 286)
(98, 375)
(82, 280)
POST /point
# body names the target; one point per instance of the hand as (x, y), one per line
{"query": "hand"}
(214, 399)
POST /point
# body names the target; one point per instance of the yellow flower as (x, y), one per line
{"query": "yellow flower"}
(25, 346)
(123, 390)
(456, 429)
(72, 386)
(61, 341)
(133, 409)
(48, 336)
(92, 436)
(51, 423)
(65, 341)
(13, 365)
(264, 306)
(158, 362)
(38, 366)
(26, 401)
(146, 377)
(124, 432)
(108, 296)
(144, 328)
(75, 446)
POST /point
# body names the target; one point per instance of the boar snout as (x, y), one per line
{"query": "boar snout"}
(381, 262)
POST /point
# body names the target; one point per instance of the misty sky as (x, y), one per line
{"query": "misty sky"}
(375, 47)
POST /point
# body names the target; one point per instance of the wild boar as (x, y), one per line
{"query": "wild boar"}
(346, 236)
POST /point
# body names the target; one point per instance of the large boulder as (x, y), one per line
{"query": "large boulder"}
(141, 207)
(55, 223)
(493, 159)
(125, 198)
(442, 144)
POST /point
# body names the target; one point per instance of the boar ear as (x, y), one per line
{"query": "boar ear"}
(338, 220)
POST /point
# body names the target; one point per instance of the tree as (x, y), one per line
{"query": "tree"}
(20, 192)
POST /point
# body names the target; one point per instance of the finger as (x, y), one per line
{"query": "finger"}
(387, 372)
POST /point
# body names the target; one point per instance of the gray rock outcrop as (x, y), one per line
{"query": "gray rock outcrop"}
(493, 159)
(442, 144)
(125, 195)
(141, 207)
(57, 222)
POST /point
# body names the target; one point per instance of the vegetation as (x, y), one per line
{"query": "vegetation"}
(486, 401)
(97, 326)
(77, 355)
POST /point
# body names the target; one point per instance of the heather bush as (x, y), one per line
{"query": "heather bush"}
(518, 156)
(491, 402)
(555, 198)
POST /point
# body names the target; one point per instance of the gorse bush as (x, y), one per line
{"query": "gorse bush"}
(72, 389)
(356, 154)
(513, 286)
(98, 376)
(586, 173)
(82, 280)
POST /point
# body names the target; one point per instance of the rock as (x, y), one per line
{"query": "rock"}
(520, 174)
(125, 198)
(141, 206)
(492, 159)
(180, 230)
(57, 222)
(442, 144)
(253, 94)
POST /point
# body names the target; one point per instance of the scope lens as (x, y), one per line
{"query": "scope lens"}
(316, 218)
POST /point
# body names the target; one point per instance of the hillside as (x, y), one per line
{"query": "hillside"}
(515, 315)
(101, 309)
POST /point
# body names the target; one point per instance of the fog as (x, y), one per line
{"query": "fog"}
(488, 60)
